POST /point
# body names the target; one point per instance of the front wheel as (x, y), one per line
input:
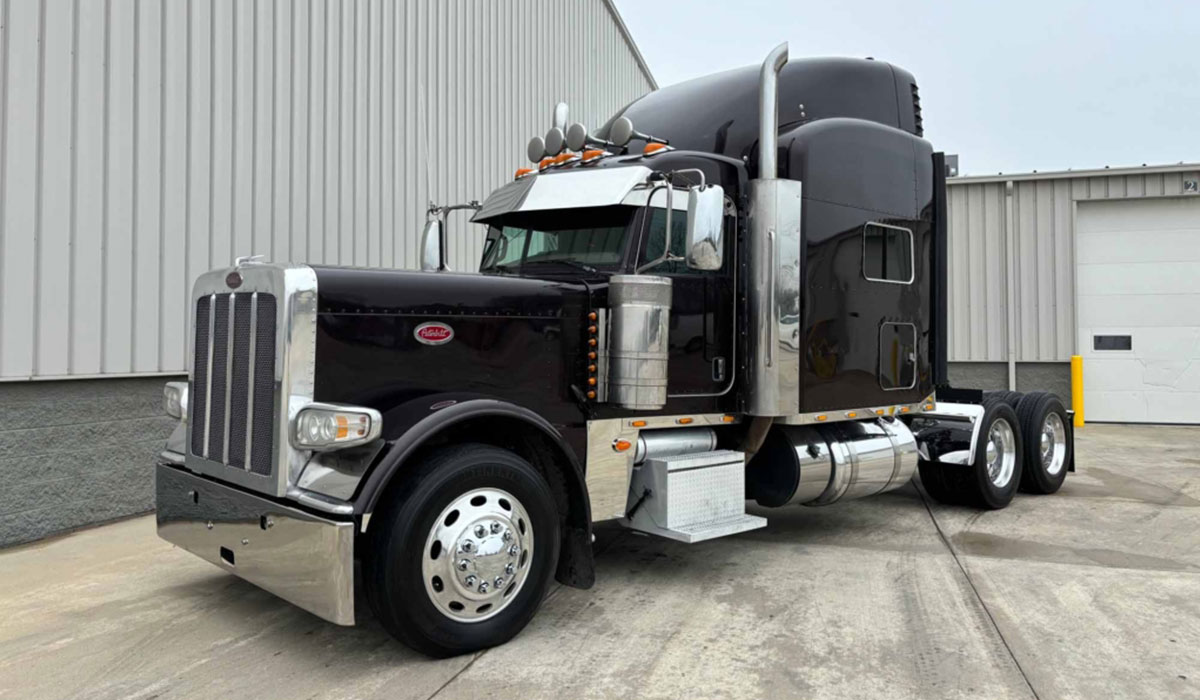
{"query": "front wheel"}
(462, 557)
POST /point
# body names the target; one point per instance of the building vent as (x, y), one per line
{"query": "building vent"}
(918, 126)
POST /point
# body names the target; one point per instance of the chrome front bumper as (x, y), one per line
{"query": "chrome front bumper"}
(305, 559)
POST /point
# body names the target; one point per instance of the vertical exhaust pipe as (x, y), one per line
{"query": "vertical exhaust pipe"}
(768, 112)
(773, 325)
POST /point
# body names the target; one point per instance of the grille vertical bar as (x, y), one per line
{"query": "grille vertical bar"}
(220, 377)
(263, 418)
(199, 393)
(239, 386)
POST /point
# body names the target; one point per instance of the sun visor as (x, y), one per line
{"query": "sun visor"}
(568, 189)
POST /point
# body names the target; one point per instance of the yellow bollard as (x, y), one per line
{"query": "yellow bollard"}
(1077, 388)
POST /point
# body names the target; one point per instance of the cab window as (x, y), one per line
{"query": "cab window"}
(655, 240)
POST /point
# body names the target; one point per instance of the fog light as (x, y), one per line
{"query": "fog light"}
(333, 427)
(175, 400)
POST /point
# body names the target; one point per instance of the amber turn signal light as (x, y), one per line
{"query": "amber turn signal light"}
(592, 316)
(620, 445)
(591, 355)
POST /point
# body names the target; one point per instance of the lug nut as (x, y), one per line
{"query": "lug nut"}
(509, 569)
(467, 546)
(499, 582)
(470, 580)
(480, 531)
(464, 564)
(496, 527)
(514, 551)
(507, 535)
(483, 587)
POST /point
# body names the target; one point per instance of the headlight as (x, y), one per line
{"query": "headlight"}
(332, 427)
(175, 399)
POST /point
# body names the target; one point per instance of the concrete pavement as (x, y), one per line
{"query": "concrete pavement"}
(1094, 592)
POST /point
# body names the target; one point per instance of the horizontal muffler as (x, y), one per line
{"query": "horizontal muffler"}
(820, 464)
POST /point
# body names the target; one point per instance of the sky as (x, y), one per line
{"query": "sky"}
(1011, 86)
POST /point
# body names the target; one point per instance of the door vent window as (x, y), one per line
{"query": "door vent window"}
(897, 356)
(1112, 342)
(887, 253)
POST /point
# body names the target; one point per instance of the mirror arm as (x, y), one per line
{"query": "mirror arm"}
(667, 247)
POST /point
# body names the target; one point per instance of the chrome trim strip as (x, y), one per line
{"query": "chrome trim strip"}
(896, 410)
(229, 372)
(253, 362)
(212, 316)
(321, 502)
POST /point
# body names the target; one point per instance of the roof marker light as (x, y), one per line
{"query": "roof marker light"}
(655, 148)
(522, 172)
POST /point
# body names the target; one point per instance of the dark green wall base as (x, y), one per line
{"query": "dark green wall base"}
(1054, 377)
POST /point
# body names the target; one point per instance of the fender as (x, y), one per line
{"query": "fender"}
(410, 425)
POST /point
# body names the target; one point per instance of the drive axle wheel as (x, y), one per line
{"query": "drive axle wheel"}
(1043, 422)
(991, 480)
(462, 556)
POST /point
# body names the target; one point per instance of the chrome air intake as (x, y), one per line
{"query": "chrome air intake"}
(820, 464)
(634, 352)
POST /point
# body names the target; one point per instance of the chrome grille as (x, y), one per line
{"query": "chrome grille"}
(233, 380)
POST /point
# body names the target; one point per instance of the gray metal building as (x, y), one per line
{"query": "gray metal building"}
(1100, 263)
(144, 142)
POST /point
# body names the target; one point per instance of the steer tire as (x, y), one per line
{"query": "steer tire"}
(452, 496)
(1036, 414)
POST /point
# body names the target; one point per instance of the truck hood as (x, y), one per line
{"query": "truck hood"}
(387, 336)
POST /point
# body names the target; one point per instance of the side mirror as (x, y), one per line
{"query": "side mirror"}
(431, 246)
(705, 248)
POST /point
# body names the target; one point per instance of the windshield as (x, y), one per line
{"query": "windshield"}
(591, 238)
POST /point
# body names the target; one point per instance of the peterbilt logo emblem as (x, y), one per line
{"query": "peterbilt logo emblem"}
(434, 333)
(233, 280)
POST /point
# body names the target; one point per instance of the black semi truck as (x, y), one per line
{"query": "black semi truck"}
(735, 290)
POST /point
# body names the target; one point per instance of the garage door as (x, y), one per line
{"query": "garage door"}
(1139, 309)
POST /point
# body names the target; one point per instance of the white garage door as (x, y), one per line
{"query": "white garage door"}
(1139, 309)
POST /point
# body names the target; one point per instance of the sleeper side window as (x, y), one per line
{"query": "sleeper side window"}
(887, 253)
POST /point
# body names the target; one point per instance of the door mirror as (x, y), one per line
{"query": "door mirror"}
(705, 218)
(431, 246)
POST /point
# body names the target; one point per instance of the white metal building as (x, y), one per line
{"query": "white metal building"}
(143, 142)
(1102, 263)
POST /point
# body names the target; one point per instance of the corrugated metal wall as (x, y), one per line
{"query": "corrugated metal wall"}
(1043, 256)
(143, 142)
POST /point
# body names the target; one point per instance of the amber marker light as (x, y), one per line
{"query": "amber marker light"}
(652, 148)
(879, 411)
(591, 355)
(821, 418)
(591, 394)
(545, 163)
(638, 424)
(851, 414)
(904, 409)
(726, 419)
(928, 407)
(591, 381)
(592, 342)
(591, 329)
(592, 316)
(591, 368)
(620, 445)
(684, 421)
(522, 172)
(593, 154)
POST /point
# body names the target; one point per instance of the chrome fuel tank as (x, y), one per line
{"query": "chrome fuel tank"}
(822, 464)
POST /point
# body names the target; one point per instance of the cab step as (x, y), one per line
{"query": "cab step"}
(691, 498)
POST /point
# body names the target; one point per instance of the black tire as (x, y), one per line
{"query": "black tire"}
(1009, 397)
(1034, 414)
(972, 485)
(397, 545)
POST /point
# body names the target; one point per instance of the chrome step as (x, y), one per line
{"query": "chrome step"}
(691, 498)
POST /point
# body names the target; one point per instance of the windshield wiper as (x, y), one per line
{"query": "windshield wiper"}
(567, 261)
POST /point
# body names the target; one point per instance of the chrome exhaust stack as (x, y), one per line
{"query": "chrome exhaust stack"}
(773, 365)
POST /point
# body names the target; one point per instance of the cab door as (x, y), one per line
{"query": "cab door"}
(701, 339)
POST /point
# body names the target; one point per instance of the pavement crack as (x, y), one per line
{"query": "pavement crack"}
(975, 590)
(460, 671)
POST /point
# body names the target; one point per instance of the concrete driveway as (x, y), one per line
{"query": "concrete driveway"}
(1091, 593)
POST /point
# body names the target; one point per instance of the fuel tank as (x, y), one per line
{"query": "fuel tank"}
(824, 463)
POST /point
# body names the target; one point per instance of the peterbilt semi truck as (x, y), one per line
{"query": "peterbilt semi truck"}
(734, 291)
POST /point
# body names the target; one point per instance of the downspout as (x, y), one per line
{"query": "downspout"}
(1010, 285)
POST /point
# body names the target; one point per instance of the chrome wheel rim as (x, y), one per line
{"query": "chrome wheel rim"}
(1054, 444)
(477, 555)
(1001, 453)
